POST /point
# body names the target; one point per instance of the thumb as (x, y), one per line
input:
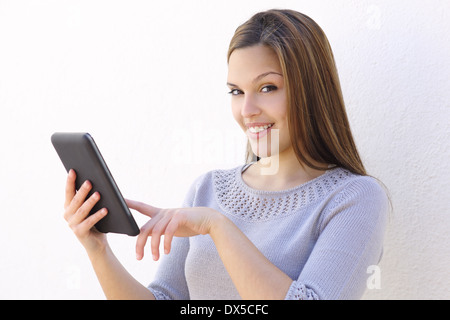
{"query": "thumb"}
(143, 208)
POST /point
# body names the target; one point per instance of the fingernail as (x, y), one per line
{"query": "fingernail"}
(155, 257)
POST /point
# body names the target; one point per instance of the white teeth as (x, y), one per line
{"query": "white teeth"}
(259, 129)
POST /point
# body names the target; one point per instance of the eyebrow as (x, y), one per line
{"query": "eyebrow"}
(258, 78)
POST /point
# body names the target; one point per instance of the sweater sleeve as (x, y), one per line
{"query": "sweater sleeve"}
(170, 280)
(349, 240)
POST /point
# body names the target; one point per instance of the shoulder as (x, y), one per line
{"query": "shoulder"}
(364, 189)
(342, 186)
(217, 176)
(206, 183)
(361, 198)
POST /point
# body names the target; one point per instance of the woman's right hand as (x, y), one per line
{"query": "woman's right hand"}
(76, 213)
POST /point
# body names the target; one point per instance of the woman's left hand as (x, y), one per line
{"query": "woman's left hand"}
(181, 222)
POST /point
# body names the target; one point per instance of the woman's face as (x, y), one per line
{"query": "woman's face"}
(259, 100)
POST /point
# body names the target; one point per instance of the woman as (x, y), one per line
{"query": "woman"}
(303, 222)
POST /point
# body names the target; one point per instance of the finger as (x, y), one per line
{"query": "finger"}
(90, 222)
(142, 239)
(80, 195)
(70, 187)
(77, 200)
(145, 232)
(85, 209)
(143, 208)
(157, 232)
(171, 228)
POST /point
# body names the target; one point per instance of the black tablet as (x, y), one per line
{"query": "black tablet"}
(79, 152)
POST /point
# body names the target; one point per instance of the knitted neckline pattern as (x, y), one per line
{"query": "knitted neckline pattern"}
(238, 199)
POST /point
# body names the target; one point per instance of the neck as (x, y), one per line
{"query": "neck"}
(285, 168)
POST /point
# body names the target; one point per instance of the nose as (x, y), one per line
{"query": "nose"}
(250, 107)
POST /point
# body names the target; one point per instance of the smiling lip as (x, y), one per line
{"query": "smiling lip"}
(257, 130)
(258, 124)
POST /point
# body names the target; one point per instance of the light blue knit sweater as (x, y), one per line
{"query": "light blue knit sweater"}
(324, 234)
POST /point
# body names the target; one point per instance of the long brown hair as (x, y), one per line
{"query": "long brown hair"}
(318, 123)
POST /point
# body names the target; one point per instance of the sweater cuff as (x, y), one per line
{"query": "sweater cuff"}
(158, 294)
(298, 291)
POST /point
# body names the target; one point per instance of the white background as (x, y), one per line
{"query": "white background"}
(147, 80)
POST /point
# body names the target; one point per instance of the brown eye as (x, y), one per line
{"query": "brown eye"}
(235, 92)
(269, 88)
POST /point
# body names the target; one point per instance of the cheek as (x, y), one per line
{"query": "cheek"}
(236, 111)
(285, 137)
(282, 106)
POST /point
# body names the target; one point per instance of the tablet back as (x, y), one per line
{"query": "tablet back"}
(78, 151)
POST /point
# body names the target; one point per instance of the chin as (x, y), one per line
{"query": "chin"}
(267, 145)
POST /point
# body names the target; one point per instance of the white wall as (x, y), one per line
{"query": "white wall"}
(147, 80)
